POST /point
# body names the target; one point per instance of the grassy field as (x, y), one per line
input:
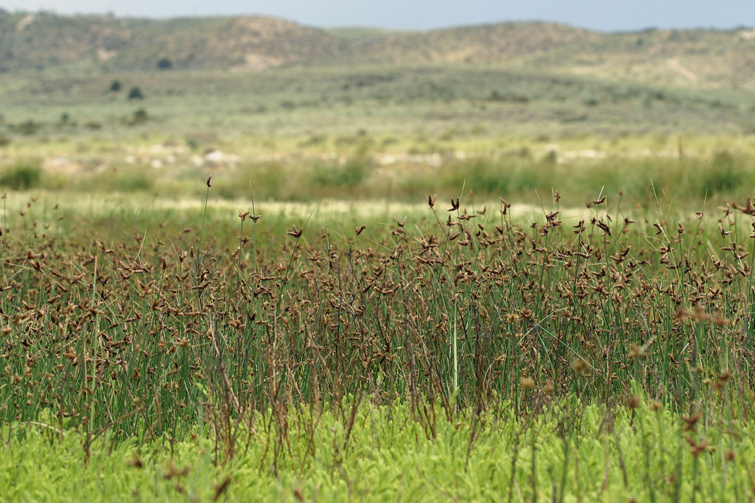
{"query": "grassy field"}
(376, 132)
(210, 349)
(526, 279)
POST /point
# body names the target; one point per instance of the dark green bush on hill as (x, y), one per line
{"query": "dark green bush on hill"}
(139, 117)
(164, 64)
(28, 128)
(135, 94)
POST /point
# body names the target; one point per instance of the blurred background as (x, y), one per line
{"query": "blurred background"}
(299, 101)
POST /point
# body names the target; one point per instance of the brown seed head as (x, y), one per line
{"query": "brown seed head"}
(634, 402)
(719, 320)
(691, 421)
(700, 315)
(221, 488)
(136, 462)
(526, 383)
(579, 365)
(634, 351)
(682, 315)
(724, 376)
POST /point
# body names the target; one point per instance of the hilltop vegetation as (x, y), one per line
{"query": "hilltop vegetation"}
(676, 57)
(43, 41)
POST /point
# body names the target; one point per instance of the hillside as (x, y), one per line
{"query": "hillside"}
(474, 44)
(39, 41)
(687, 58)
(671, 57)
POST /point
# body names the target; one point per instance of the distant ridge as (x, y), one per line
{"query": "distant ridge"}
(43, 41)
(470, 44)
(46, 40)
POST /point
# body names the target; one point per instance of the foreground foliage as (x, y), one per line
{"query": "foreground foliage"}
(467, 339)
(570, 452)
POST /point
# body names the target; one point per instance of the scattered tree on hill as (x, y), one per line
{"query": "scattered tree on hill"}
(115, 86)
(135, 94)
(139, 117)
(164, 64)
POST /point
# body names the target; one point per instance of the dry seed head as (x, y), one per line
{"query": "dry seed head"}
(221, 488)
(691, 421)
(295, 232)
(697, 448)
(720, 320)
(654, 405)
(526, 383)
(634, 402)
(549, 387)
(700, 315)
(682, 315)
(136, 462)
(634, 351)
(579, 365)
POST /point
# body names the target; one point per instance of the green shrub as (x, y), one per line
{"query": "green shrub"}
(24, 175)
(481, 174)
(164, 64)
(139, 117)
(347, 175)
(28, 128)
(722, 175)
(126, 179)
(135, 94)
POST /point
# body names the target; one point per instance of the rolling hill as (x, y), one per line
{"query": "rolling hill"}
(687, 58)
(39, 41)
